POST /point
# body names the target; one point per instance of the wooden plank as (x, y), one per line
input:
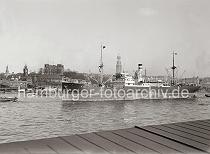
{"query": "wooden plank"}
(106, 144)
(189, 131)
(83, 145)
(36, 147)
(206, 132)
(202, 123)
(146, 142)
(207, 120)
(164, 141)
(177, 138)
(198, 126)
(183, 134)
(129, 145)
(12, 148)
(185, 137)
(61, 146)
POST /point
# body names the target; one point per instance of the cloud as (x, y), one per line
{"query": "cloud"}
(147, 11)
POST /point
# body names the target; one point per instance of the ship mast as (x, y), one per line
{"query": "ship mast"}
(145, 73)
(101, 66)
(173, 68)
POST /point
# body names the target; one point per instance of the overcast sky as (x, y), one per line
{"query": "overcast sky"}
(35, 32)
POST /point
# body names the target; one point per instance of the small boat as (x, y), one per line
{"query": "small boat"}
(8, 99)
(207, 95)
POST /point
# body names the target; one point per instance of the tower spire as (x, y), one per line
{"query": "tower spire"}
(7, 71)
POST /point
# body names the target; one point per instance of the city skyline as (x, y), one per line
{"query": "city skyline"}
(36, 32)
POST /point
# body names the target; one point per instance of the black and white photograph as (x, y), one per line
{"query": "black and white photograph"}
(104, 76)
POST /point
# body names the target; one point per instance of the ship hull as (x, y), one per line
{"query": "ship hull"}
(78, 87)
(171, 89)
(124, 92)
(71, 87)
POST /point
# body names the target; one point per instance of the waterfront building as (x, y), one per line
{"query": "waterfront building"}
(205, 80)
(205, 83)
(50, 75)
(193, 80)
(53, 69)
(45, 80)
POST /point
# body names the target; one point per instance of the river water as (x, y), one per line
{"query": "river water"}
(37, 118)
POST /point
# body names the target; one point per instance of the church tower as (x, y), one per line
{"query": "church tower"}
(25, 71)
(118, 65)
(7, 71)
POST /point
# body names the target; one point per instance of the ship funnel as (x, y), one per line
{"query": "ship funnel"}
(140, 67)
(140, 73)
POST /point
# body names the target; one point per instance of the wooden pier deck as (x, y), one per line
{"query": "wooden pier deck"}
(187, 137)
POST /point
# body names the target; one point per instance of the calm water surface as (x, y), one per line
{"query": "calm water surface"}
(44, 117)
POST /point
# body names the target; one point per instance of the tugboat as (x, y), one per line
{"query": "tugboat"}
(8, 99)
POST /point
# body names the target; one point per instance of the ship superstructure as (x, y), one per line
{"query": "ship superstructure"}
(138, 81)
